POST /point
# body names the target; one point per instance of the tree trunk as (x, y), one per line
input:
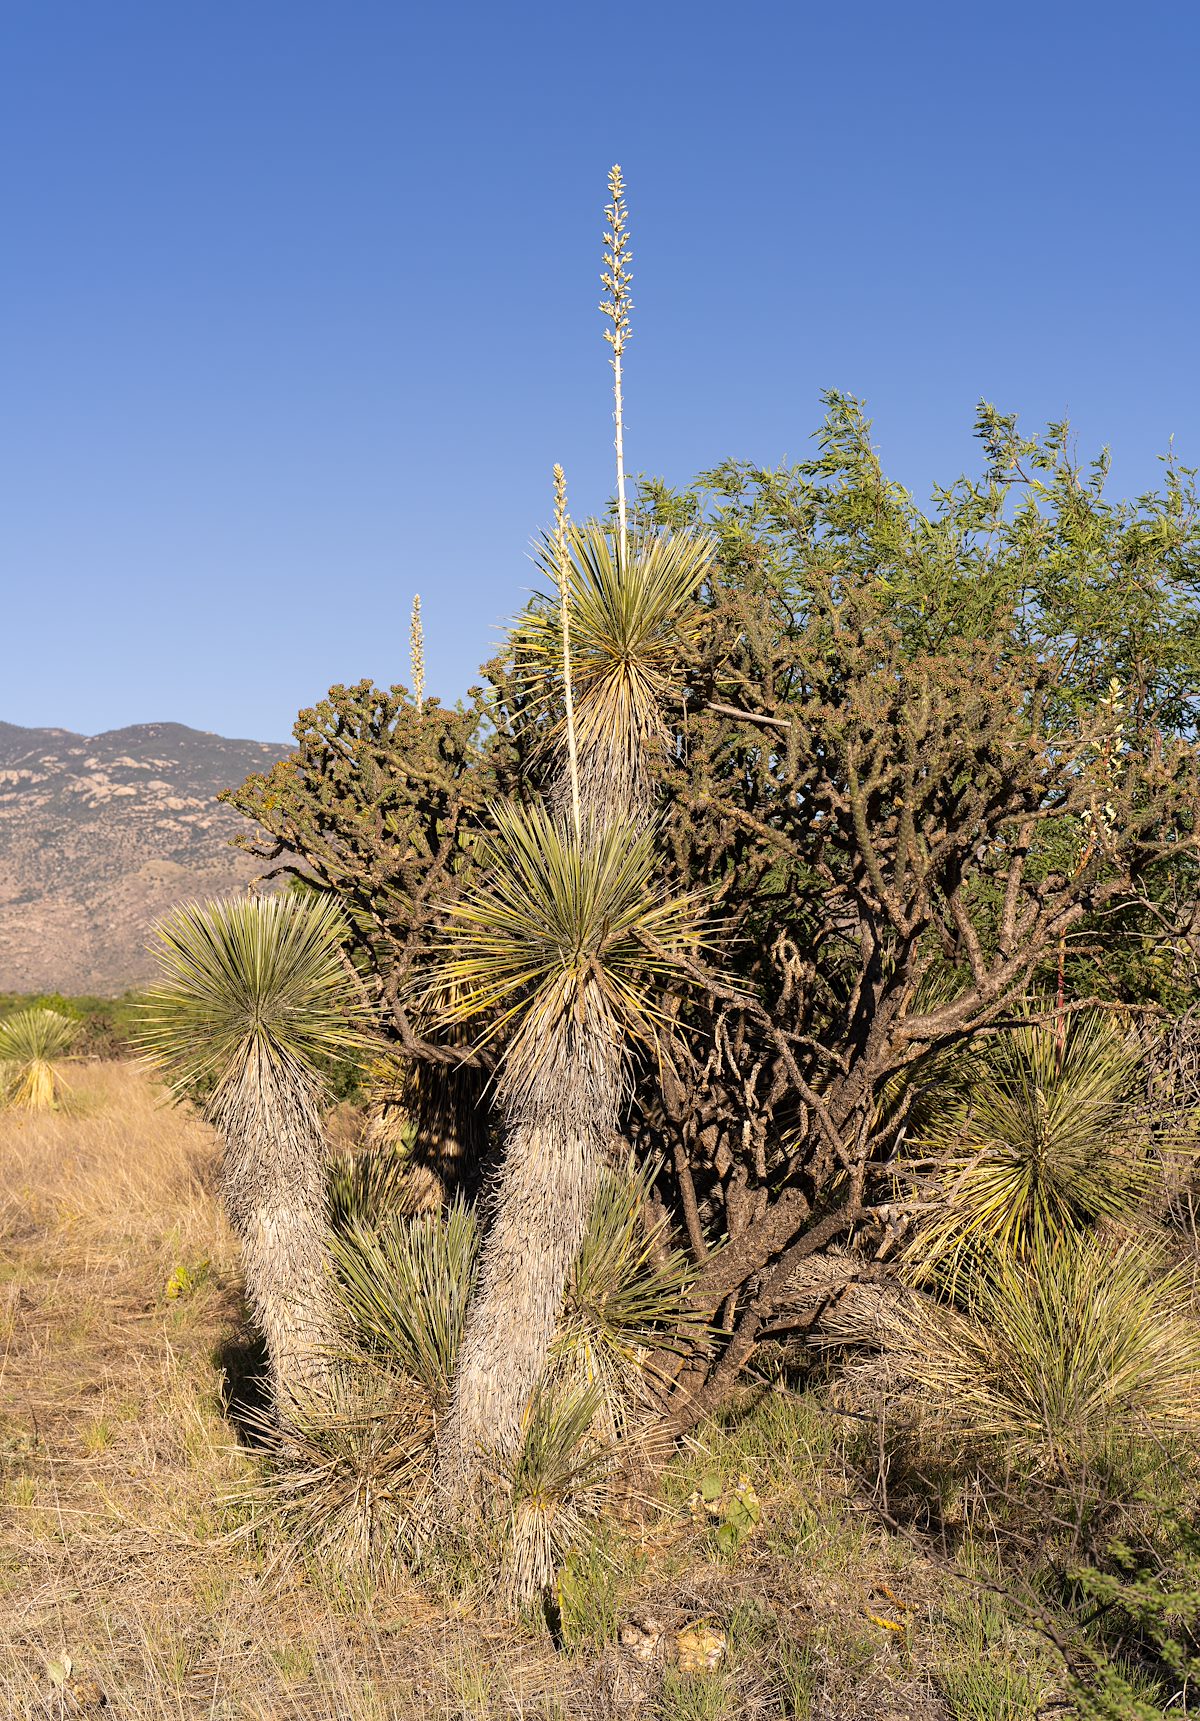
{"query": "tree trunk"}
(274, 1190)
(555, 1149)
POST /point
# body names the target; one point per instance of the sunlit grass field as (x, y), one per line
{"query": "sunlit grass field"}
(137, 1580)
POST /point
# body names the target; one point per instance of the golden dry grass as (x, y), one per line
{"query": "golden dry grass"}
(125, 1541)
(119, 1544)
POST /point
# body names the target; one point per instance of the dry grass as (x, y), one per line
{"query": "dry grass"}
(120, 1544)
(125, 1541)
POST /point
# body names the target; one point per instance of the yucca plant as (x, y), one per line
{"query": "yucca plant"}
(347, 1474)
(1041, 1141)
(32, 1044)
(404, 1286)
(633, 615)
(252, 997)
(626, 1298)
(552, 946)
(1057, 1355)
(554, 1489)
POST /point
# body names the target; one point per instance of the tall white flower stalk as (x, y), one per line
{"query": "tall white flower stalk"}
(617, 279)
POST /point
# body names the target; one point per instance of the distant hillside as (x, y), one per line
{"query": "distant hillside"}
(99, 834)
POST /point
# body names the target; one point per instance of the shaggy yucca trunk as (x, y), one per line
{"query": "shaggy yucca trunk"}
(558, 1134)
(252, 998)
(273, 1183)
(555, 938)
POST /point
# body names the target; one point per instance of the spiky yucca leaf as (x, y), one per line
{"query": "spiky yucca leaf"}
(554, 1486)
(626, 1296)
(346, 1480)
(364, 1187)
(1039, 1143)
(250, 978)
(632, 619)
(31, 1043)
(1058, 1353)
(553, 934)
(404, 1286)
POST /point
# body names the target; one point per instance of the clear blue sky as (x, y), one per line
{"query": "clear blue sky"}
(299, 300)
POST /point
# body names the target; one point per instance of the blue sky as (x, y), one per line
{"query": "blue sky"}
(298, 303)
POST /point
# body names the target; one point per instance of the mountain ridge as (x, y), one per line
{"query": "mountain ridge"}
(101, 834)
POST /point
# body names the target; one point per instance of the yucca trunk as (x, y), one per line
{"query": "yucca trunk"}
(557, 1141)
(274, 1190)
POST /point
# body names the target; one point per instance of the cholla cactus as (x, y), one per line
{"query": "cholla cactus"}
(616, 278)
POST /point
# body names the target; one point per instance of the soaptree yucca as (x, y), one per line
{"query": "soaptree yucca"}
(252, 997)
(1042, 1140)
(31, 1044)
(1057, 1355)
(560, 946)
(633, 613)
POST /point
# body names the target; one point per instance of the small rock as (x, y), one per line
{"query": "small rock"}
(701, 1648)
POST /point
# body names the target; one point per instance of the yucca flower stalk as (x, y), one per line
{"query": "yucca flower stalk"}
(32, 1043)
(252, 997)
(617, 278)
(548, 946)
(562, 565)
(416, 653)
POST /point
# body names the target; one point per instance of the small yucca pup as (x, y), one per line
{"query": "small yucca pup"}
(1040, 1143)
(1069, 1349)
(253, 995)
(31, 1044)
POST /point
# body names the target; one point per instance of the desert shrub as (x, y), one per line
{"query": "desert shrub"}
(1059, 1359)
(1043, 1142)
(1141, 1658)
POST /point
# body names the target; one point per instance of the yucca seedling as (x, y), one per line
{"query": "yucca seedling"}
(554, 1488)
(563, 942)
(1041, 1143)
(364, 1187)
(626, 1299)
(633, 620)
(346, 1479)
(253, 997)
(32, 1044)
(1059, 1354)
(404, 1287)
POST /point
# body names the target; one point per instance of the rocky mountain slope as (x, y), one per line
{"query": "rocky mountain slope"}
(100, 834)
